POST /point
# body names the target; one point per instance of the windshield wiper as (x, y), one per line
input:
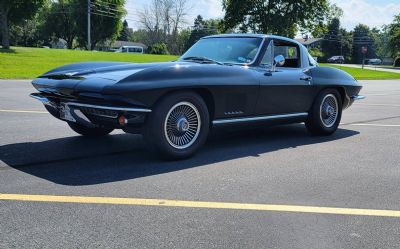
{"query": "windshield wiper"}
(202, 59)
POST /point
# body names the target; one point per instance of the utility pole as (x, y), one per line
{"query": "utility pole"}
(89, 42)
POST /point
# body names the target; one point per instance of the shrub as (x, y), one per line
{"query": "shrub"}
(316, 53)
(158, 48)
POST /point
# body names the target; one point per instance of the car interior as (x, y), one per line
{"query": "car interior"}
(290, 51)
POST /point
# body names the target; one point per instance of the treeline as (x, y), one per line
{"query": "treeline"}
(41, 22)
(380, 43)
(164, 27)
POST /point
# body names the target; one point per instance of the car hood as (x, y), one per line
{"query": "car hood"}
(112, 77)
(91, 76)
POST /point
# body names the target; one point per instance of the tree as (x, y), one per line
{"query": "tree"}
(163, 19)
(202, 28)
(362, 37)
(320, 29)
(12, 11)
(158, 48)
(331, 45)
(126, 32)
(60, 21)
(394, 36)
(106, 20)
(281, 17)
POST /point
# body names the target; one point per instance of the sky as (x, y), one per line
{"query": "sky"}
(373, 13)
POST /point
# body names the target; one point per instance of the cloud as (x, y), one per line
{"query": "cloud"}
(371, 13)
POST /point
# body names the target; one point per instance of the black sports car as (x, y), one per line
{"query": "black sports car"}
(222, 80)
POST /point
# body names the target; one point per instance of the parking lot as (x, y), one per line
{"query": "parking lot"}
(276, 187)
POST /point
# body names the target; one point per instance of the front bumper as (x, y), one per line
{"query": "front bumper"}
(357, 97)
(94, 115)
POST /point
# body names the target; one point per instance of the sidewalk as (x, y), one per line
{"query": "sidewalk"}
(371, 67)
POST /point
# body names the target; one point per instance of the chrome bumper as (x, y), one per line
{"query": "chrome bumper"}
(357, 97)
(91, 114)
(46, 101)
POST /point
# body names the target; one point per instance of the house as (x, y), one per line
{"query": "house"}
(112, 46)
(310, 42)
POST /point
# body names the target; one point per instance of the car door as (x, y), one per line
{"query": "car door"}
(287, 89)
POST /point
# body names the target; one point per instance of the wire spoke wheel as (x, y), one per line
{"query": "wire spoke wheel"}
(182, 125)
(329, 110)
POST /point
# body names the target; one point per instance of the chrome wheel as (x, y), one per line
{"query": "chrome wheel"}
(329, 110)
(182, 125)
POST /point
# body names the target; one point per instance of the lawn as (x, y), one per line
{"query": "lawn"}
(366, 74)
(28, 63)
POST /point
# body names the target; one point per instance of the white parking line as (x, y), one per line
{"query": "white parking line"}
(377, 125)
(22, 111)
(389, 105)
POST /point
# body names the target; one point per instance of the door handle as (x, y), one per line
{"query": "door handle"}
(306, 78)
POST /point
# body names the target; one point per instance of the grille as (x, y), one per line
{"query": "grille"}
(99, 112)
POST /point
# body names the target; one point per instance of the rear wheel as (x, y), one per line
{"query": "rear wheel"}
(178, 125)
(325, 114)
(89, 131)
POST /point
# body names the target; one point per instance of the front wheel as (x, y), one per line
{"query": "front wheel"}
(89, 131)
(325, 114)
(178, 125)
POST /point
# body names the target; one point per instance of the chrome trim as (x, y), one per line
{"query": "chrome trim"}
(44, 100)
(258, 118)
(357, 97)
(109, 107)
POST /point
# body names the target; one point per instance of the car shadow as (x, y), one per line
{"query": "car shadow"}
(80, 161)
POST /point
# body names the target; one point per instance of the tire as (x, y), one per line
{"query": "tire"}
(178, 125)
(89, 131)
(325, 114)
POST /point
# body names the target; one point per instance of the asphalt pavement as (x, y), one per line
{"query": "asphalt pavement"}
(275, 187)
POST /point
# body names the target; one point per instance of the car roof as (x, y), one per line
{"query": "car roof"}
(252, 36)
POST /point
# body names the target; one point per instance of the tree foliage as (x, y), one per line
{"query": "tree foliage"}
(278, 17)
(202, 28)
(158, 48)
(394, 36)
(60, 21)
(362, 37)
(163, 19)
(106, 20)
(14, 12)
(126, 32)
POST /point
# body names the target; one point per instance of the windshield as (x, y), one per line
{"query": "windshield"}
(237, 50)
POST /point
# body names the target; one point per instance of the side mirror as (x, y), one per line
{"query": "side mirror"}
(279, 60)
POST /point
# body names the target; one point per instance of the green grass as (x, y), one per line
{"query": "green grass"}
(366, 74)
(28, 63)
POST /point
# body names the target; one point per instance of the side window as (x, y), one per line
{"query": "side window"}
(312, 61)
(290, 51)
(268, 58)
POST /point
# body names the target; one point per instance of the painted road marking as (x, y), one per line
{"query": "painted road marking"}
(388, 105)
(200, 204)
(376, 125)
(23, 111)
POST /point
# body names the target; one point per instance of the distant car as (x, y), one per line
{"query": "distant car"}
(336, 59)
(374, 61)
(130, 49)
(222, 80)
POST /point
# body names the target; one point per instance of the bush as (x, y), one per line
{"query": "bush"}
(315, 52)
(158, 48)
